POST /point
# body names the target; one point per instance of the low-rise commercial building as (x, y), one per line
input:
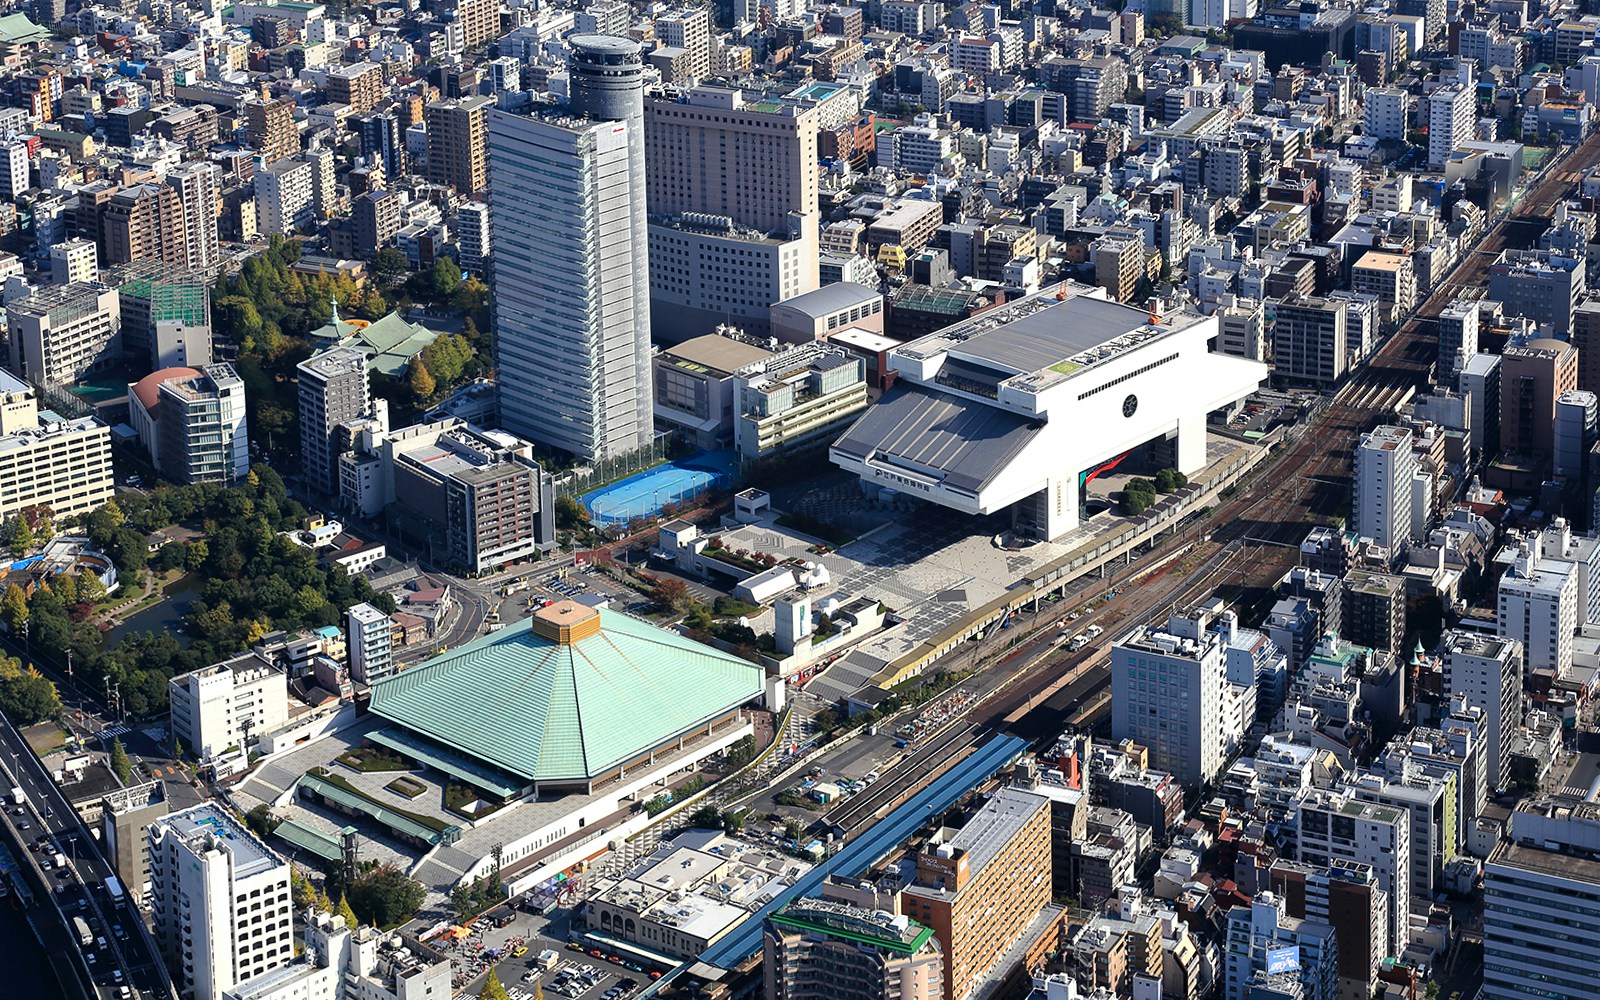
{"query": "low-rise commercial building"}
(795, 400)
(215, 709)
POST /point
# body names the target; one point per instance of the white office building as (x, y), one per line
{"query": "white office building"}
(371, 637)
(572, 288)
(1541, 889)
(47, 459)
(74, 260)
(219, 898)
(473, 236)
(192, 422)
(1384, 466)
(1487, 671)
(215, 709)
(1184, 692)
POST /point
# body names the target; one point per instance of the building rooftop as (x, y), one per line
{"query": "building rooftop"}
(918, 429)
(546, 705)
(207, 827)
(713, 354)
(874, 928)
(1529, 857)
(995, 825)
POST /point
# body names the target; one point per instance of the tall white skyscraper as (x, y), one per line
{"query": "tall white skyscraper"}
(220, 901)
(1385, 465)
(1488, 671)
(572, 287)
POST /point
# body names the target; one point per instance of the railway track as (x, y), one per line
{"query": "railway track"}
(1257, 532)
(902, 781)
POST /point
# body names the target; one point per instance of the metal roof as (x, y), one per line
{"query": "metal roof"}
(967, 442)
(1039, 340)
(546, 711)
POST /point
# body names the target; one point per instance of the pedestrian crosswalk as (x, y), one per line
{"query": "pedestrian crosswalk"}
(1575, 792)
(113, 731)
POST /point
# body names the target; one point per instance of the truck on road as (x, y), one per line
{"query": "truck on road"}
(17, 798)
(114, 890)
(84, 937)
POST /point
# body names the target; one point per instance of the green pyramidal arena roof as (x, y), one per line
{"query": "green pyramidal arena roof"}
(576, 694)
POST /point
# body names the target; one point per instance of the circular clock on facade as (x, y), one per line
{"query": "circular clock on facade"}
(1129, 405)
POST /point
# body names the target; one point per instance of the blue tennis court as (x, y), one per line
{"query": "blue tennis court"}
(645, 493)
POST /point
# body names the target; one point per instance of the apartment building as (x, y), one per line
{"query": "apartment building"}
(48, 460)
(270, 129)
(358, 85)
(286, 196)
(218, 707)
(61, 333)
(74, 260)
(980, 887)
(1385, 465)
(1185, 691)
(458, 144)
(333, 390)
(219, 897)
(370, 635)
(125, 818)
(812, 946)
(1533, 375)
(193, 423)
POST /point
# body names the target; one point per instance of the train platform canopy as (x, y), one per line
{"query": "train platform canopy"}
(577, 694)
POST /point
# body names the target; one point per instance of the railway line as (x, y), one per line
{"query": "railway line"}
(1257, 532)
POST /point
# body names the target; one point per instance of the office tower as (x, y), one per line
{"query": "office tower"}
(270, 129)
(125, 818)
(1390, 277)
(1538, 607)
(63, 332)
(199, 202)
(220, 904)
(286, 196)
(1333, 826)
(369, 633)
(603, 17)
(1487, 672)
(1575, 433)
(571, 271)
(458, 150)
(74, 260)
(14, 171)
(732, 187)
(377, 218)
(688, 29)
(1450, 111)
(216, 709)
(474, 237)
(1480, 383)
(1384, 466)
(979, 887)
(166, 314)
(359, 85)
(333, 390)
(1586, 339)
(1310, 340)
(1541, 285)
(1262, 938)
(1386, 113)
(811, 946)
(1458, 338)
(1541, 888)
(145, 222)
(193, 423)
(1180, 692)
(1344, 895)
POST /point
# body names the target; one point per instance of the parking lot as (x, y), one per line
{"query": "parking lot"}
(579, 972)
